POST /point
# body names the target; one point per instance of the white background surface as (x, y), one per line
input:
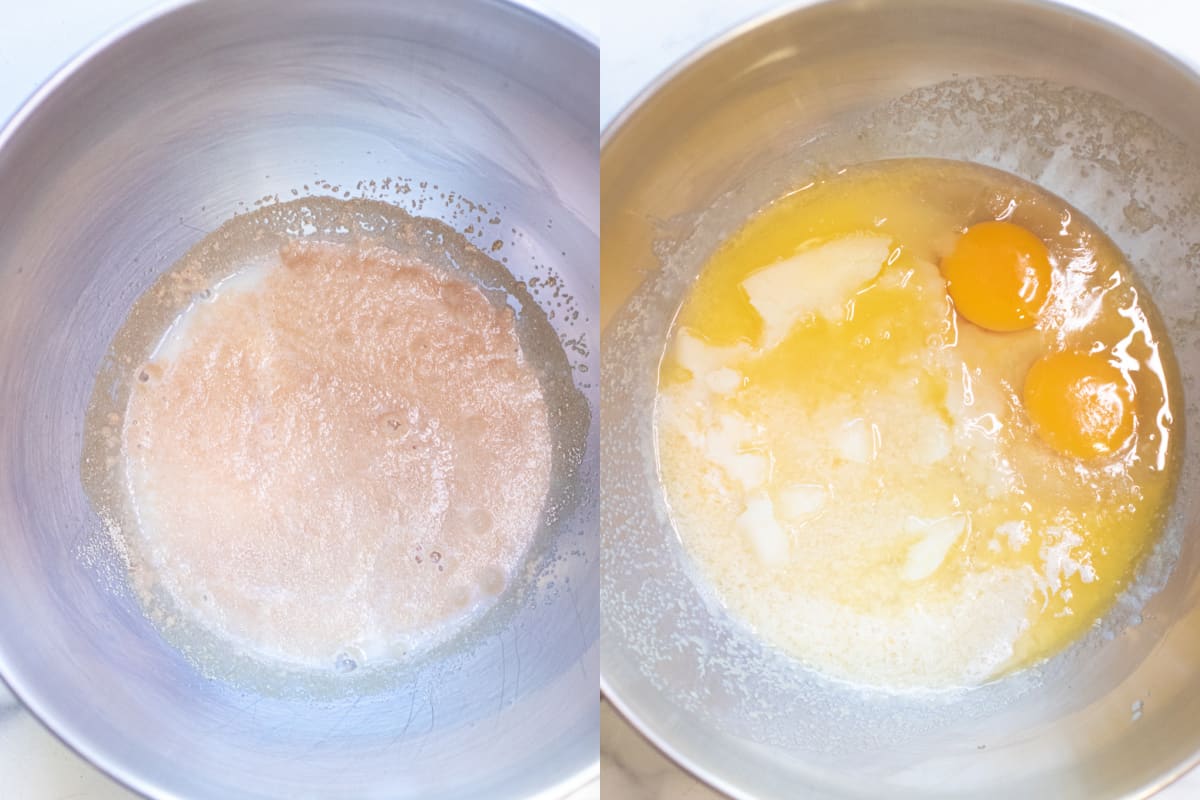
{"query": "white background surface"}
(639, 39)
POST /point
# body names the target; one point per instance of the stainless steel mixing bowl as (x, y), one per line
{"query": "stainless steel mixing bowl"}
(124, 160)
(1054, 95)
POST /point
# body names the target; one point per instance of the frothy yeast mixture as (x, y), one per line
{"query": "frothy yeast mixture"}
(339, 450)
(915, 424)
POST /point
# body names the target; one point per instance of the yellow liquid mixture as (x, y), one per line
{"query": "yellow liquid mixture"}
(850, 460)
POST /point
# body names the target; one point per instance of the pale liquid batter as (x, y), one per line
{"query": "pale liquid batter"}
(850, 463)
(339, 453)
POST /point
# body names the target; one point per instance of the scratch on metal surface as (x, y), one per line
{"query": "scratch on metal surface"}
(579, 630)
(432, 709)
(503, 674)
(412, 708)
(328, 733)
(335, 727)
(517, 681)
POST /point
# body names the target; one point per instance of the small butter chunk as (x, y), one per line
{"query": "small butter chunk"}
(730, 445)
(820, 280)
(801, 501)
(857, 441)
(762, 530)
(1064, 557)
(938, 535)
(725, 380)
(700, 358)
(1017, 533)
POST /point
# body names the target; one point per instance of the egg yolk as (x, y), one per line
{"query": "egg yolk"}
(998, 275)
(1080, 403)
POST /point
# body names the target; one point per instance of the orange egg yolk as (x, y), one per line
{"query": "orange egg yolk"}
(1080, 403)
(998, 276)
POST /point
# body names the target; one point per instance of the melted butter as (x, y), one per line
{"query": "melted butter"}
(864, 488)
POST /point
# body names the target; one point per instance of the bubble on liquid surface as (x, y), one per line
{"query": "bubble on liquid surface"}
(347, 661)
